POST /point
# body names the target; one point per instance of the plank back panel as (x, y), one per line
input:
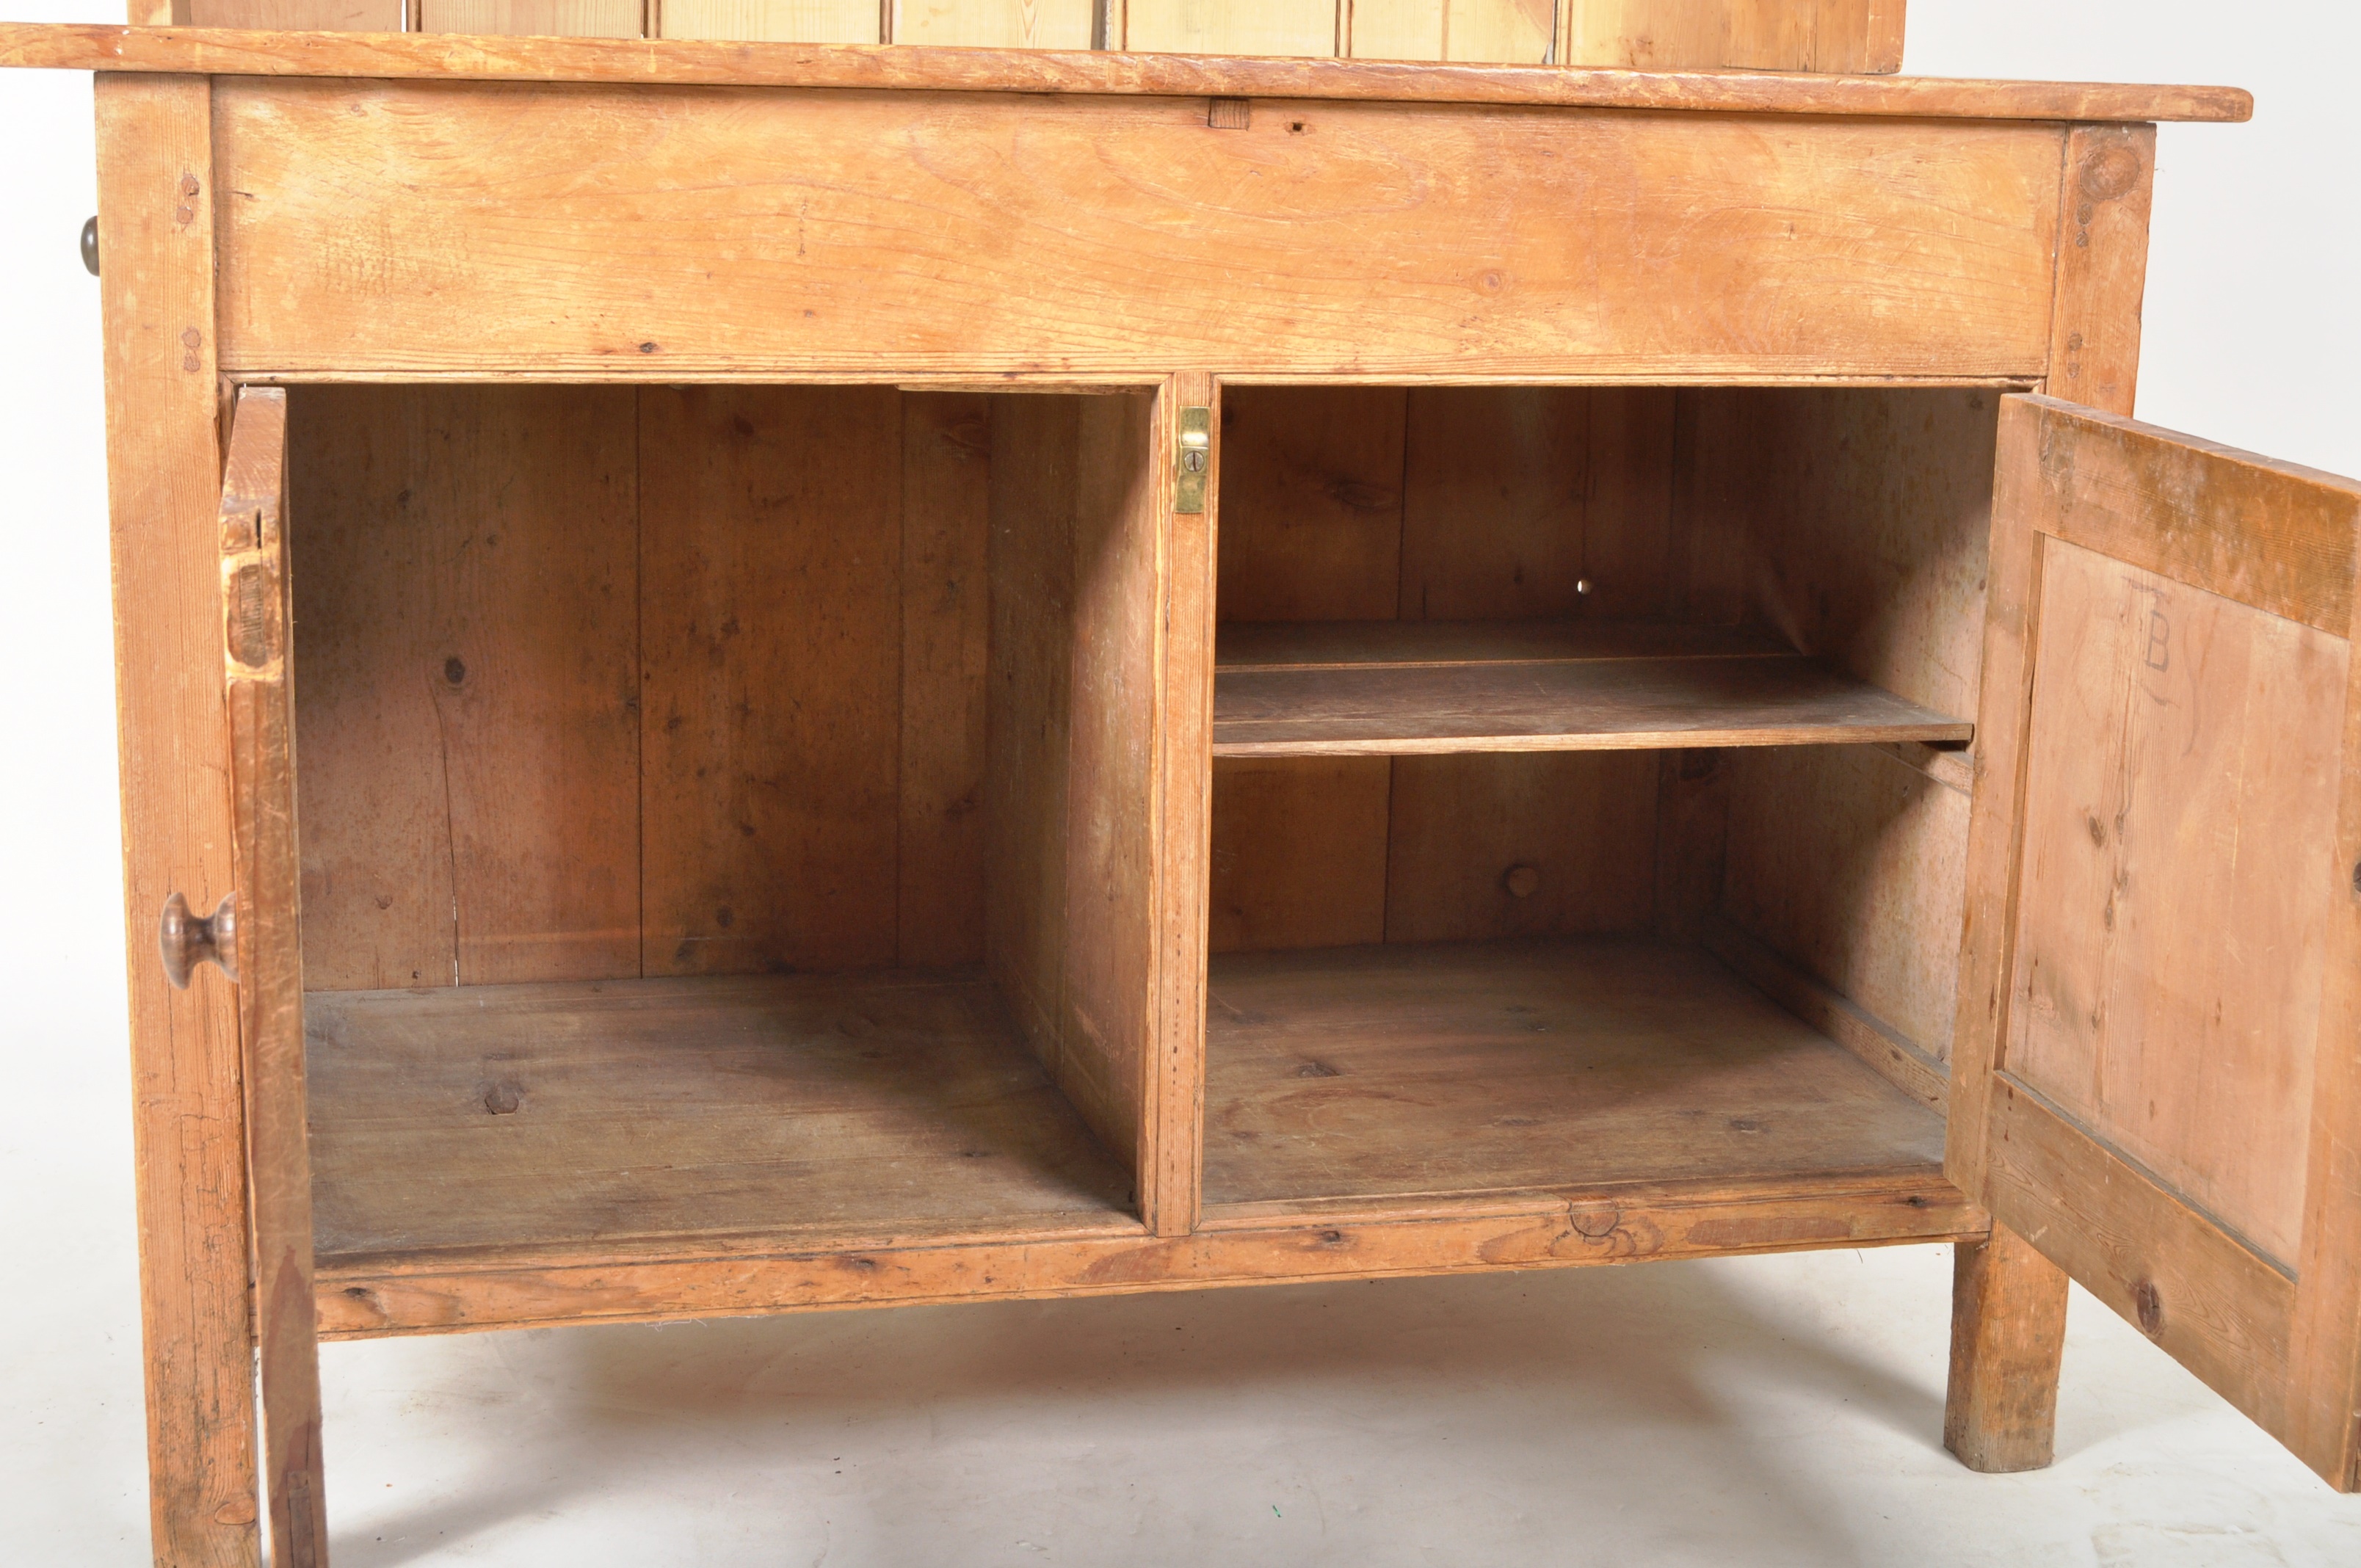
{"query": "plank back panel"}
(994, 24)
(1311, 530)
(1490, 503)
(773, 21)
(1553, 844)
(976, 233)
(465, 572)
(540, 19)
(771, 630)
(1848, 35)
(290, 16)
(2193, 811)
(1519, 32)
(1299, 852)
(1231, 27)
(946, 645)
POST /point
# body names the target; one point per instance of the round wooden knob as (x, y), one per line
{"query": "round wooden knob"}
(186, 938)
(1522, 880)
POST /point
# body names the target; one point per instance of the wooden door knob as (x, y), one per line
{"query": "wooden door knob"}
(186, 938)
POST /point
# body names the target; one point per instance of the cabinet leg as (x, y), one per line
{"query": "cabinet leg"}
(2008, 1332)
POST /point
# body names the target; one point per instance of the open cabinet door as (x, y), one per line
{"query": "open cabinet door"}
(2156, 1078)
(255, 624)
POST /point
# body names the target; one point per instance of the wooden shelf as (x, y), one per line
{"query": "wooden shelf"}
(1353, 1077)
(1400, 687)
(694, 1116)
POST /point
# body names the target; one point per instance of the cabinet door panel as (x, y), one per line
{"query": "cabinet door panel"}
(271, 967)
(2156, 1054)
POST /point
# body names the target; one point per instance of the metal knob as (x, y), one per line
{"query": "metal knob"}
(187, 939)
(90, 246)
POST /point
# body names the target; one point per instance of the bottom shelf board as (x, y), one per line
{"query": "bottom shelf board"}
(1342, 1076)
(681, 1112)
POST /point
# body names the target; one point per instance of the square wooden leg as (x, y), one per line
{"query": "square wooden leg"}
(2008, 1332)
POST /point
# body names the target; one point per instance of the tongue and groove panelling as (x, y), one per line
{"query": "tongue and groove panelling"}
(599, 681)
(1665, 35)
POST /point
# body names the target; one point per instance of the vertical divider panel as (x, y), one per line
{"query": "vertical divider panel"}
(1078, 638)
(1031, 565)
(1112, 785)
(1174, 1178)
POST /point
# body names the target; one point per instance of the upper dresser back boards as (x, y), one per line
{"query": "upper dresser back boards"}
(1843, 36)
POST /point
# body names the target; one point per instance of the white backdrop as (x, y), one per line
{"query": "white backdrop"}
(2253, 335)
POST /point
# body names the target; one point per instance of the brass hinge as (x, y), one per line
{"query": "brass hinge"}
(1196, 459)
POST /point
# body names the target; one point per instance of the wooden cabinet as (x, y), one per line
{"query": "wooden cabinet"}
(834, 677)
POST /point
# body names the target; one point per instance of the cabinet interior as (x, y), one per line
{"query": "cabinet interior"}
(727, 812)
(709, 809)
(1590, 790)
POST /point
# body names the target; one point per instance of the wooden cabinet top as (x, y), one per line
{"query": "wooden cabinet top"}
(451, 57)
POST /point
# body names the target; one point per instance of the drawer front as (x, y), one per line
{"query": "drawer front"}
(400, 228)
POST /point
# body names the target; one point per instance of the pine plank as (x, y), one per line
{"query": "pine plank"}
(465, 579)
(1553, 844)
(270, 973)
(2179, 818)
(1571, 703)
(163, 464)
(776, 21)
(679, 1113)
(231, 51)
(319, 15)
(771, 630)
(1298, 852)
(1356, 1074)
(1310, 503)
(1620, 1223)
(994, 24)
(946, 638)
(1231, 27)
(534, 19)
(973, 234)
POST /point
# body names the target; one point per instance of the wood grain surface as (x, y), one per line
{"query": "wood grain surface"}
(1355, 1074)
(2008, 1336)
(163, 464)
(1568, 704)
(270, 971)
(466, 584)
(223, 52)
(1622, 1224)
(977, 234)
(851, 1109)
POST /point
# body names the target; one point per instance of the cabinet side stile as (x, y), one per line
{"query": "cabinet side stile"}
(156, 222)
